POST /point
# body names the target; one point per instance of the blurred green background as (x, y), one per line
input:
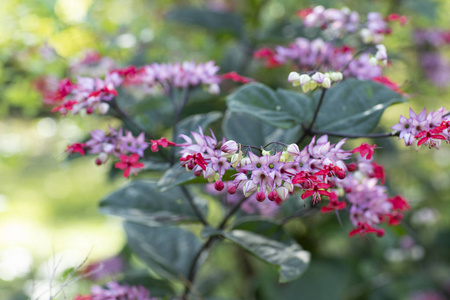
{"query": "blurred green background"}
(48, 204)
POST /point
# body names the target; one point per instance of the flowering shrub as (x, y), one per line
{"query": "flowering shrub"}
(273, 148)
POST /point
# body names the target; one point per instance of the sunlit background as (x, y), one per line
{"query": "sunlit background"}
(49, 219)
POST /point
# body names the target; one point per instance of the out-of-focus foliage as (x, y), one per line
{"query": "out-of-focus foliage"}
(40, 38)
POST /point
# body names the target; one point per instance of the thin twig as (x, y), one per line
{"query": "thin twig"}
(354, 136)
(194, 207)
(307, 131)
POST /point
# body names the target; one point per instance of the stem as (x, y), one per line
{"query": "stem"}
(194, 207)
(230, 213)
(176, 117)
(307, 131)
(192, 272)
(301, 213)
(354, 136)
(125, 117)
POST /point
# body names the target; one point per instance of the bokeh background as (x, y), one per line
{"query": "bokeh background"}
(49, 219)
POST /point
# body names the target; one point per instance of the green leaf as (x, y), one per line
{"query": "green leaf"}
(157, 287)
(168, 251)
(248, 130)
(211, 20)
(354, 106)
(191, 123)
(143, 202)
(291, 259)
(280, 108)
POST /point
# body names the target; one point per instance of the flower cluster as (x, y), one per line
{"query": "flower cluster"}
(171, 75)
(115, 291)
(428, 129)
(370, 203)
(311, 82)
(116, 143)
(91, 63)
(430, 44)
(89, 94)
(317, 54)
(338, 22)
(318, 170)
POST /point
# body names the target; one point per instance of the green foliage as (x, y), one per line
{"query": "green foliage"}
(143, 202)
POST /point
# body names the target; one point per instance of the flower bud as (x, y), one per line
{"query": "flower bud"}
(218, 185)
(214, 89)
(103, 108)
(293, 150)
(260, 196)
(209, 173)
(304, 79)
(282, 192)
(326, 83)
(351, 167)
(230, 147)
(294, 78)
(198, 172)
(336, 76)
(289, 186)
(232, 190)
(249, 188)
(318, 77)
(272, 196)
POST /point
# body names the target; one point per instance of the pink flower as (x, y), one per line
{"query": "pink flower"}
(76, 148)
(365, 228)
(129, 164)
(236, 77)
(365, 150)
(163, 142)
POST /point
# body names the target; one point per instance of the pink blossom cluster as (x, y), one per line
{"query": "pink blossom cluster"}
(425, 129)
(370, 203)
(320, 55)
(250, 206)
(116, 291)
(91, 63)
(318, 170)
(89, 94)
(338, 22)
(172, 75)
(431, 37)
(114, 142)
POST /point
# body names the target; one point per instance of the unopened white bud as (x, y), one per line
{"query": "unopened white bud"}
(282, 193)
(326, 83)
(103, 108)
(294, 78)
(293, 150)
(230, 147)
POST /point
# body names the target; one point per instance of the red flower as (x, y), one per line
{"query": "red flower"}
(317, 190)
(333, 204)
(365, 149)
(193, 160)
(130, 164)
(364, 228)
(428, 135)
(63, 108)
(76, 148)
(86, 297)
(303, 13)
(104, 90)
(396, 17)
(161, 142)
(378, 172)
(269, 55)
(331, 170)
(398, 203)
(236, 77)
(389, 84)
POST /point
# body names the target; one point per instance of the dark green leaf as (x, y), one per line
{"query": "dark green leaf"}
(291, 259)
(192, 123)
(354, 106)
(168, 251)
(281, 108)
(211, 20)
(248, 130)
(143, 202)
